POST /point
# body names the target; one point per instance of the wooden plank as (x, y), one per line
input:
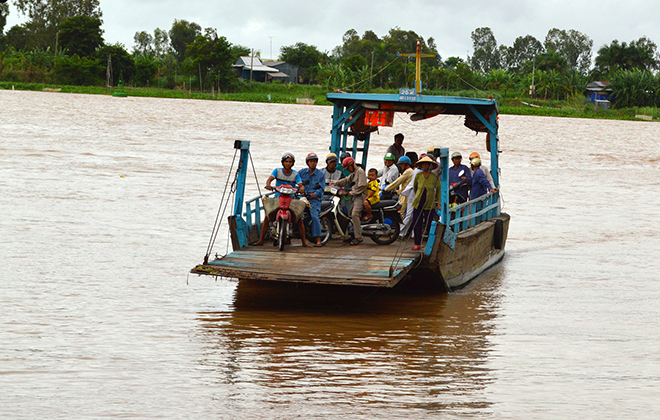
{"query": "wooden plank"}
(336, 263)
(322, 267)
(296, 260)
(288, 277)
(318, 272)
(385, 282)
(302, 258)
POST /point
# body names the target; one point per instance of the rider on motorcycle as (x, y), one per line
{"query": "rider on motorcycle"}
(283, 175)
(459, 174)
(315, 181)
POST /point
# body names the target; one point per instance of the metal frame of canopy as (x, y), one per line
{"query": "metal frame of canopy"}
(349, 108)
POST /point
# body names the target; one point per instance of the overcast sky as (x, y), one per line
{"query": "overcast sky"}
(252, 22)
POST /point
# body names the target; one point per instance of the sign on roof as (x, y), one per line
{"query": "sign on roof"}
(407, 95)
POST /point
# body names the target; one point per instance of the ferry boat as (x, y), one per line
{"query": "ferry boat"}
(462, 243)
(465, 240)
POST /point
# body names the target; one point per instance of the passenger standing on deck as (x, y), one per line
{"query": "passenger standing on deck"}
(409, 193)
(480, 184)
(413, 158)
(358, 193)
(402, 182)
(331, 172)
(397, 148)
(425, 185)
(459, 174)
(315, 181)
(283, 175)
(484, 168)
(434, 153)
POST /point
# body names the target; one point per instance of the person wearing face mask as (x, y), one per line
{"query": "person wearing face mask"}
(425, 186)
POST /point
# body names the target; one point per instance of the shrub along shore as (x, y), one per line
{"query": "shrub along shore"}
(291, 94)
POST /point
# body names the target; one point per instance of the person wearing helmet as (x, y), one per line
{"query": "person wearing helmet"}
(315, 181)
(397, 148)
(330, 171)
(342, 157)
(400, 184)
(389, 172)
(284, 175)
(459, 174)
(480, 184)
(358, 194)
(484, 168)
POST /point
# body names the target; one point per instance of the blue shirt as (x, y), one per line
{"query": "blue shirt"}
(281, 178)
(480, 185)
(455, 175)
(316, 183)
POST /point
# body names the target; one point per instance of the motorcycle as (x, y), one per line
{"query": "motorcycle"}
(383, 228)
(283, 231)
(284, 217)
(455, 198)
(325, 216)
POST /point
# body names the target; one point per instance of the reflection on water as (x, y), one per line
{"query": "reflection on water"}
(332, 349)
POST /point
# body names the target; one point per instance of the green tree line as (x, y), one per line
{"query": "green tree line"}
(62, 42)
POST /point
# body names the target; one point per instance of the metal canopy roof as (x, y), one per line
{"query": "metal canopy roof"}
(421, 104)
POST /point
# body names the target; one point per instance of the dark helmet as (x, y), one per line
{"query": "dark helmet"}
(288, 155)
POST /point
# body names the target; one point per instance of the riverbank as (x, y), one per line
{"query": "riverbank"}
(291, 94)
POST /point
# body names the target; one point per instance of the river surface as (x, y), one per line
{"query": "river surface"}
(106, 203)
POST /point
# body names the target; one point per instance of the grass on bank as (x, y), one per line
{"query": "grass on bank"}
(289, 94)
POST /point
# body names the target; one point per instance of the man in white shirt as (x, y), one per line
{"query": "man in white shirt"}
(389, 172)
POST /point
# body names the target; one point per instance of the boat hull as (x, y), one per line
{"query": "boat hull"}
(476, 250)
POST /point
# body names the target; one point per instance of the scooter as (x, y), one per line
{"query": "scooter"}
(383, 228)
(284, 218)
(454, 198)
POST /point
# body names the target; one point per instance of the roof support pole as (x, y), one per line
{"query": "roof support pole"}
(340, 116)
(335, 140)
(343, 117)
(241, 176)
(491, 126)
(494, 150)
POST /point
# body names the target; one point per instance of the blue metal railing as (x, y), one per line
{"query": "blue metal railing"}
(254, 211)
(473, 212)
(465, 216)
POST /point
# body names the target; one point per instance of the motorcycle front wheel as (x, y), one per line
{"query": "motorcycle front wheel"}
(326, 230)
(281, 240)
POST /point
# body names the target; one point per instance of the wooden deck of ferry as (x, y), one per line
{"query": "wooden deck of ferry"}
(336, 263)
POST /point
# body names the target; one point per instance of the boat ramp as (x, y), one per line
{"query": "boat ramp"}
(337, 263)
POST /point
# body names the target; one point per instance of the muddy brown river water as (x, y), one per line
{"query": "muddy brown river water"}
(106, 203)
